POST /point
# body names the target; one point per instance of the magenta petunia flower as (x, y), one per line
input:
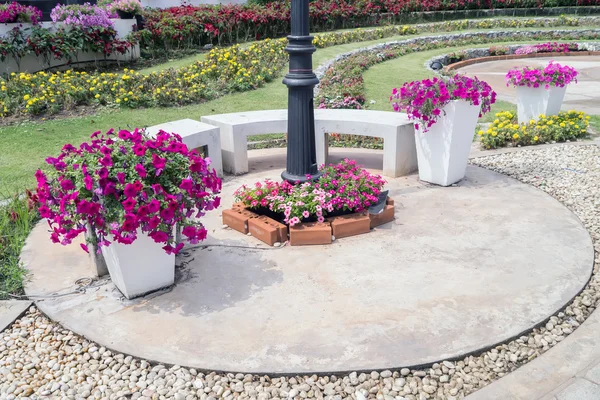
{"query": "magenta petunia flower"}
(129, 204)
(158, 162)
(140, 170)
(130, 190)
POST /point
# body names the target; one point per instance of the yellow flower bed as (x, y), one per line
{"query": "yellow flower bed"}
(505, 130)
(224, 70)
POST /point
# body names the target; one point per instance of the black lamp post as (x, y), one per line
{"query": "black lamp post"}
(300, 80)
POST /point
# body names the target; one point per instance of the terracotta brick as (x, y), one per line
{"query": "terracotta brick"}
(350, 225)
(386, 216)
(282, 230)
(238, 206)
(261, 229)
(238, 219)
(310, 233)
(389, 201)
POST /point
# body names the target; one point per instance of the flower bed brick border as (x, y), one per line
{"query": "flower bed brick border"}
(479, 60)
(273, 233)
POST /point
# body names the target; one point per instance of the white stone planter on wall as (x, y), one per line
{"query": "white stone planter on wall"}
(532, 102)
(31, 63)
(5, 28)
(140, 267)
(443, 151)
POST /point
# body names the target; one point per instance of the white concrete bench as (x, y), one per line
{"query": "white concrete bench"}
(196, 135)
(399, 151)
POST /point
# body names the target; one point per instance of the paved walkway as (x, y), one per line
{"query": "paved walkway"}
(583, 96)
(568, 371)
(11, 310)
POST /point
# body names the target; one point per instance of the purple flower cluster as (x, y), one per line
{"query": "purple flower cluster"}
(125, 183)
(424, 100)
(84, 16)
(553, 74)
(15, 12)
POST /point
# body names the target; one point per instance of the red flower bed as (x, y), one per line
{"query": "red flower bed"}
(192, 27)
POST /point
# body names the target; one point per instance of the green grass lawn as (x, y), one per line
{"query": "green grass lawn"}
(24, 147)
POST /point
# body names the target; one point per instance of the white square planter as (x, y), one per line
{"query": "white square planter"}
(140, 267)
(532, 102)
(443, 151)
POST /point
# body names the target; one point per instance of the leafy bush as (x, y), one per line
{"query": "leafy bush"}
(194, 26)
(499, 50)
(505, 130)
(17, 218)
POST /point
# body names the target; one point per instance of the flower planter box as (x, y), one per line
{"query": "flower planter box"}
(125, 15)
(267, 230)
(237, 219)
(140, 267)
(532, 102)
(350, 225)
(443, 151)
(6, 28)
(311, 233)
(384, 217)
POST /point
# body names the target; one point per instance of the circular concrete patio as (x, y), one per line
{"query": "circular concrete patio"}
(461, 269)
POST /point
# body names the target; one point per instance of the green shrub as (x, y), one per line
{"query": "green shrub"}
(17, 218)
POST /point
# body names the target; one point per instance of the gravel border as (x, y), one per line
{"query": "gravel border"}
(40, 359)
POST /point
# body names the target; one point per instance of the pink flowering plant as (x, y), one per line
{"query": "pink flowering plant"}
(549, 47)
(15, 12)
(553, 74)
(125, 184)
(342, 188)
(128, 6)
(425, 100)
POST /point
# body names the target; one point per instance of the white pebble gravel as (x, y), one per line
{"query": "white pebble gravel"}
(39, 359)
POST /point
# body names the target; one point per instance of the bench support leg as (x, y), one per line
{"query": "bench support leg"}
(400, 153)
(214, 152)
(322, 146)
(234, 150)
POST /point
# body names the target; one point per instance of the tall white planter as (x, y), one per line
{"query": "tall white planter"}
(532, 102)
(443, 151)
(140, 267)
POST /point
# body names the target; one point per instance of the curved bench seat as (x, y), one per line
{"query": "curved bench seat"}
(397, 132)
